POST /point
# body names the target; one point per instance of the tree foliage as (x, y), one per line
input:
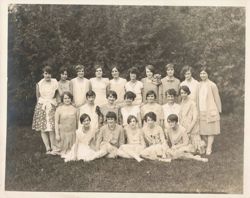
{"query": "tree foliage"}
(65, 35)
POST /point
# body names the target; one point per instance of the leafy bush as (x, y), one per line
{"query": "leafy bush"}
(65, 35)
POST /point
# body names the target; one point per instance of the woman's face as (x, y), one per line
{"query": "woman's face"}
(150, 98)
(149, 73)
(133, 123)
(110, 121)
(111, 99)
(132, 76)
(66, 100)
(170, 99)
(188, 75)
(80, 73)
(86, 122)
(184, 94)
(150, 122)
(64, 76)
(170, 72)
(47, 76)
(115, 73)
(128, 101)
(172, 124)
(98, 72)
(91, 99)
(203, 75)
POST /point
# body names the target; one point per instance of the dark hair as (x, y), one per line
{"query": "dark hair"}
(90, 93)
(151, 92)
(185, 69)
(63, 69)
(205, 68)
(47, 69)
(67, 93)
(83, 117)
(151, 115)
(97, 66)
(185, 88)
(151, 68)
(170, 65)
(130, 95)
(171, 92)
(115, 66)
(79, 67)
(173, 118)
(130, 117)
(133, 70)
(112, 93)
(111, 114)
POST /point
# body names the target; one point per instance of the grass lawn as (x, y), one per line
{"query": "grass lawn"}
(29, 169)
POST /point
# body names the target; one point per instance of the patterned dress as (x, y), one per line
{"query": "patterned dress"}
(44, 115)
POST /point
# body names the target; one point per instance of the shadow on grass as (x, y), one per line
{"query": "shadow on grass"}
(29, 169)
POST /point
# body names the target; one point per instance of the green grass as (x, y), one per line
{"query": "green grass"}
(29, 169)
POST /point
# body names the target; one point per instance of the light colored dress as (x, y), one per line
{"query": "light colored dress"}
(155, 140)
(66, 116)
(106, 108)
(44, 115)
(209, 105)
(135, 143)
(82, 149)
(79, 88)
(136, 88)
(193, 86)
(177, 137)
(168, 84)
(169, 109)
(109, 140)
(119, 87)
(91, 111)
(147, 86)
(127, 111)
(62, 87)
(156, 108)
(99, 86)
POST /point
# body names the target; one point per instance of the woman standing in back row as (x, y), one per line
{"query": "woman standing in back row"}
(209, 105)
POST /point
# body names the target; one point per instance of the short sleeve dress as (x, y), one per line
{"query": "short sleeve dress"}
(119, 87)
(136, 88)
(99, 86)
(156, 108)
(44, 115)
(83, 150)
(79, 89)
(149, 85)
(127, 111)
(67, 118)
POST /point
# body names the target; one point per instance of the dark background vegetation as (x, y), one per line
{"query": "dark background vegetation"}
(66, 35)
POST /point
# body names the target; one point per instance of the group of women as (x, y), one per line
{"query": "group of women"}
(157, 119)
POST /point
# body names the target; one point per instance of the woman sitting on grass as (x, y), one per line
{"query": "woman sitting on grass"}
(155, 139)
(135, 141)
(111, 137)
(178, 138)
(82, 149)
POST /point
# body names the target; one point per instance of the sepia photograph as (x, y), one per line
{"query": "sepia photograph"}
(125, 98)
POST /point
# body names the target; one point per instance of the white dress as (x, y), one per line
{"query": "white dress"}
(79, 89)
(83, 151)
(193, 86)
(169, 109)
(132, 110)
(119, 87)
(99, 86)
(137, 89)
(91, 111)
